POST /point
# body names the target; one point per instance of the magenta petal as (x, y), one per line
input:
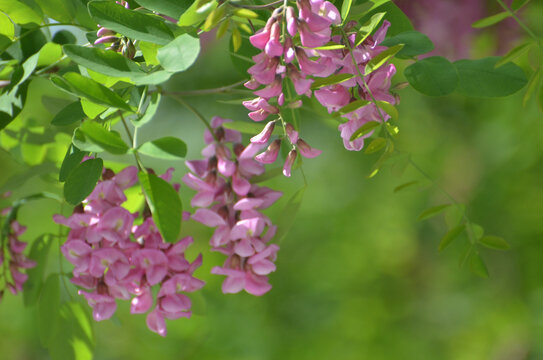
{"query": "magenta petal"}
(208, 218)
(289, 162)
(156, 323)
(306, 150)
(142, 303)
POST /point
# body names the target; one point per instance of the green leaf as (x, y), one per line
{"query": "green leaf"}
(375, 145)
(405, 186)
(171, 8)
(6, 26)
(490, 20)
(49, 310)
(415, 43)
(517, 4)
(450, 236)
(165, 205)
(433, 211)
(288, 216)
(64, 37)
(81, 142)
(494, 242)
(345, 9)
(73, 157)
(389, 109)
(179, 54)
(365, 129)
(130, 23)
(433, 76)
(379, 60)
(368, 28)
(481, 78)
(330, 46)
(107, 140)
(514, 53)
(82, 180)
(331, 80)
(19, 12)
(32, 287)
(106, 62)
(532, 85)
(150, 111)
(69, 115)
(399, 22)
(355, 105)
(60, 10)
(197, 12)
(246, 127)
(164, 148)
(81, 86)
(478, 266)
(149, 52)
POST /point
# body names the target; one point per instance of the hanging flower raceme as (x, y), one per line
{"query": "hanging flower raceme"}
(227, 201)
(283, 57)
(12, 260)
(373, 87)
(115, 259)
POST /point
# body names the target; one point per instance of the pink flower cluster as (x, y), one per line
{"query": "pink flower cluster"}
(12, 259)
(111, 265)
(228, 202)
(376, 85)
(119, 44)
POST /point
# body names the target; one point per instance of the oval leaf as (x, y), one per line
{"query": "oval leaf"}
(165, 205)
(415, 43)
(331, 80)
(355, 105)
(376, 145)
(365, 129)
(171, 8)
(133, 24)
(433, 211)
(105, 62)
(478, 266)
(150, 111)
(490, 20)
(433, 76)
(71, 160)
(379, 60)
(451, 235)
(164, 148)
(108, 140)
(69, 115)
(82, 180)
(179, 54)
(494, 242)
(481, 78)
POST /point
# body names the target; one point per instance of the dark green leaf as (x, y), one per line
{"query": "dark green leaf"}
(494, 242)
(355, 105)
(82, 180)
(517, 4)
(365, 129)
(415, 43)
(179, 54)
(69, 115)
(331, 80)
(478, 266)
(49, 310)
(64, 37)
(433, 76)
(250, 128)
(165, 205)
(450, 236)
(171, 8)
(164, 148)
(490, 20)
(433, 211)
(375, 145)
(379, 60)
(481, 78)
(133, 24)
(399, 22)
(81, 86)
(405, 185)
(242, 59)
(81, 142)
(288, 216)
(73, 157)
(60, 10)
(108, 140)
(38, 253)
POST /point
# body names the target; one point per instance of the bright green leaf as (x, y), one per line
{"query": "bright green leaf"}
(179, 54)
(164, 148)
(19, 12)
(246, 127)
(165, 205)
(107, 140)
(150, 111)
(345, 9)
(197, 12)
(514, 53)
(82, 180)
(389, 109)
(366, 29)
(375, 145)
(106, 62)
(60, 10)
(379, 60)
(365, 129)
(355, 105)
(490, 20)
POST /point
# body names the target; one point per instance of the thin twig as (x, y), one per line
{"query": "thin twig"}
(521, 24)
(218, 90)
(132, 141)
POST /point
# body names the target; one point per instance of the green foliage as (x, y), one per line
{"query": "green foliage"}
(415, 43)
(171, 8)
(179, 54)
(481, 78)
(70, 114)
(82, 180)
(164, 148)
(491, 20)
(433, 76)
(433, 211)
(109, 141)
(73, 158)
(164, 204)
(331, 80)
(379, 60)
(49, 310)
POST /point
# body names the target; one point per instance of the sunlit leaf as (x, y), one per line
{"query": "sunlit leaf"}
(108, 140)
(179, 54)
(164, 148)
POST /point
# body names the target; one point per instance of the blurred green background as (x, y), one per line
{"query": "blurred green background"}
(358, 277)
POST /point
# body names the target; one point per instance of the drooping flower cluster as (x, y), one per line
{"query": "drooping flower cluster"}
(120, 44)
(283, 57)
(12, 259)
(228, 202)
(116, 259)
(375, 86)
